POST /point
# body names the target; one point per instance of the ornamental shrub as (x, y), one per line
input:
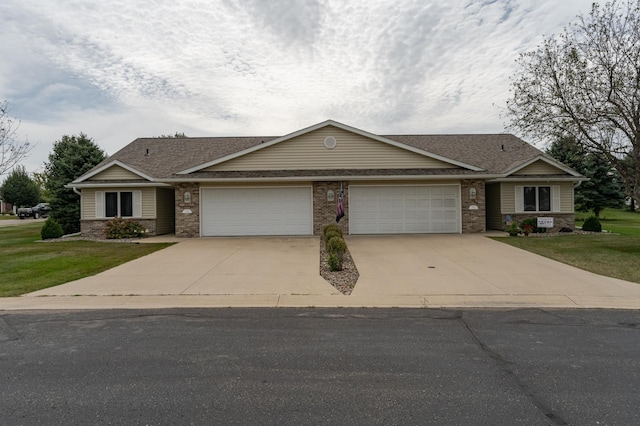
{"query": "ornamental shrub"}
(51, 229)
(592, 224)
(331, 227)
(337, 246)
(332, 234)
(334, 262)
(119, 228)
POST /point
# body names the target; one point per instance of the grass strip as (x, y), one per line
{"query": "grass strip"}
(27, 264)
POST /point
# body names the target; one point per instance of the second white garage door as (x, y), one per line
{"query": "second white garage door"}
(404, 209)
(256, 211)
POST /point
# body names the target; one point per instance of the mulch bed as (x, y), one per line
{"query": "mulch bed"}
(344, 281)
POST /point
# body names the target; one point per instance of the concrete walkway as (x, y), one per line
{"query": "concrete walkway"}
(404, 271)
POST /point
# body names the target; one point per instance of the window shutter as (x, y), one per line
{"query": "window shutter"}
(555, 197)
(99, 204)
(137, 203)
(519, 199)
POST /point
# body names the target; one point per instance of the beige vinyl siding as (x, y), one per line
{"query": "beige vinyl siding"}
(540, 168)
(88, 204)
(404, 182)
(115, 173)
(166, 212)
(492, 194)
(508, 195)
(307, 152)
(148, 203)
(88, 201)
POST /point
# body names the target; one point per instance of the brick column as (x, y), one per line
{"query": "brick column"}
(474, 218)
(187, 211)
(324, 211)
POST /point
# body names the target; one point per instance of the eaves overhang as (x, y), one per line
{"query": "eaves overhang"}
(330, 178)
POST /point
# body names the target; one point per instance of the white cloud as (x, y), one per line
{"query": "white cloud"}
(118, 69)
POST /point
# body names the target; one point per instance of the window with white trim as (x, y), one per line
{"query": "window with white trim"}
(118, 204)
(537, 198)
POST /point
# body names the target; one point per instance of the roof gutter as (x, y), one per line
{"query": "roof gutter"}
(329, 178)
(115, 184)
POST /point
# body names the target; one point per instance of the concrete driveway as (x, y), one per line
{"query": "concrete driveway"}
(409, 271)
(206, 266)
(439, 267)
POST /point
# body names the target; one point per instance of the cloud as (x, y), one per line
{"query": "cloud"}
(118, 69)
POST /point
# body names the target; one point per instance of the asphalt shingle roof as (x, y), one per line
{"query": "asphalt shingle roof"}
(164, 157)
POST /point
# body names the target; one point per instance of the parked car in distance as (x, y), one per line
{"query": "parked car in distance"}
(37, 211)
(40, 210)
(25, 212)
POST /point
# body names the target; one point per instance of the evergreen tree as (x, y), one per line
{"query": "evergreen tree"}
(603, 189)
(72, 156)
(19, 190)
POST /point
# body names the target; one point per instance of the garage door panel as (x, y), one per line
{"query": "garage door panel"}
(256, 211)
(404, 209)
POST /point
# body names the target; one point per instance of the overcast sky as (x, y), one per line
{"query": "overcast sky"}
(121, 69)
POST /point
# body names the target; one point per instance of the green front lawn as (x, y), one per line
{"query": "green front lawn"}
(27, 265)
(622, 222)
(615, 255)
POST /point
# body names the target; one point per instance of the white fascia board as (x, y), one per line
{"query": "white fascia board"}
(117, 184)
(109, 165)
(319, 126)
(332, 178)
(540, 179)
(547, 160)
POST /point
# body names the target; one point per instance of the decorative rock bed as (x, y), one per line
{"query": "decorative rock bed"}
(344, 281)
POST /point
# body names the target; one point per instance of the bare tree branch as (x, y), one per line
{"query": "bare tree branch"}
(585, 83)
(12, 151)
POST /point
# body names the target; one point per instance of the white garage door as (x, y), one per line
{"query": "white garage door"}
(256, 211)
(404, 209)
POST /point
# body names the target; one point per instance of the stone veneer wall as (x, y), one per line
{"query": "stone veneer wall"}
(473, 221)
(324, 212)
(560, 220)
(94, 228)
(187, 224)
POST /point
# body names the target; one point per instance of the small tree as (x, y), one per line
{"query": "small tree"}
(72, 156)
(11, 149)
(19, 190)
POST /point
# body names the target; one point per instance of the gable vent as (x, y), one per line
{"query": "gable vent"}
(330, 142)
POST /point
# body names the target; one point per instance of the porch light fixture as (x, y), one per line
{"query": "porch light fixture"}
(472, 193)
(330, 195)
(186, 197)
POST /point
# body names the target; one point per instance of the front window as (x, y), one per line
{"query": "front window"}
(537, 198)
(118, 204)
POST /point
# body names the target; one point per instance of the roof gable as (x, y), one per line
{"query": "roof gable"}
(113, 170)
(305, 149)
(542, 165)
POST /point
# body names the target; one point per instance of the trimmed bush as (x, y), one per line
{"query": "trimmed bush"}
(592, 224)
(334, 262)
(336, 245)
(51, 229)
(119, 228)
(331, 227)
(332, 234)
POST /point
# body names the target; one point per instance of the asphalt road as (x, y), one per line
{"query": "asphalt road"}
(320, 366)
